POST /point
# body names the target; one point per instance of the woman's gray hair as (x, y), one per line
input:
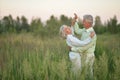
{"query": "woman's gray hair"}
(61, 32)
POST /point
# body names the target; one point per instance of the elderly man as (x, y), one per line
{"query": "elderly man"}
(88, 60)
(72, 41)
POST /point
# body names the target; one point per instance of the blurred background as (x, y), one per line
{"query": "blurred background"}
(30, 45)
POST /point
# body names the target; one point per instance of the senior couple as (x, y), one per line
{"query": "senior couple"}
(81, 50)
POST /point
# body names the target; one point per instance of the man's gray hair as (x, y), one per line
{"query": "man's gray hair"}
(88, 18)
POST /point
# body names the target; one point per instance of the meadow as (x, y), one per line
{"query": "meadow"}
(28, 57)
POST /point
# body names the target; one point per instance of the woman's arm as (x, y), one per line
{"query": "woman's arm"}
(75, 42)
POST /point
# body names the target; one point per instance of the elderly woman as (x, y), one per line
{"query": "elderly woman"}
(75, 57)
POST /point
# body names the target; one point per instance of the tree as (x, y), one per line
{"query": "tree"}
(65, 20)
(24, 24)
(5, 24)
(99, 28)
(17, 24)
(113, 27)
(36, 25)
(53, 26)
(0, 26)
(11, 25)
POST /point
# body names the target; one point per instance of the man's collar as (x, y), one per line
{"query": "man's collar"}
(89, 29)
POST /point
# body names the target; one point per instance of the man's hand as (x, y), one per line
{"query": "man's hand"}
(69, 48)
(74, 19)
(75, 16)
(92, 34)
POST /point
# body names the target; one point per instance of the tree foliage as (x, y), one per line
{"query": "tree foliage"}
(52, 25)
(113, 26)
(99, 27)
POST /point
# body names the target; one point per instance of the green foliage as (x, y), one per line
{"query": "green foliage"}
(24, 24)
(101, 67)
(27, 57)
(53, 26)
(113, 26)
(99, 27)
(65, 20)
(50, 28)
(37, 53)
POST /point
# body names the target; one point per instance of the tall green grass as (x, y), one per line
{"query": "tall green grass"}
(28, 57)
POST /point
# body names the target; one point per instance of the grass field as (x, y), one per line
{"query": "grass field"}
(28, 57)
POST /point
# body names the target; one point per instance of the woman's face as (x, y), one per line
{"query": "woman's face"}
(67, 30)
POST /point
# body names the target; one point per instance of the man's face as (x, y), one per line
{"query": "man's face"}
(86, 24)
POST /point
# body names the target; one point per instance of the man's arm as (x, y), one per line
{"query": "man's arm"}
(86, 47)
(75, 25)
(77, 29)
(83, 48)
(75, 42)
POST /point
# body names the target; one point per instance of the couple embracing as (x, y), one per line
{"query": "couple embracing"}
(81, 49)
